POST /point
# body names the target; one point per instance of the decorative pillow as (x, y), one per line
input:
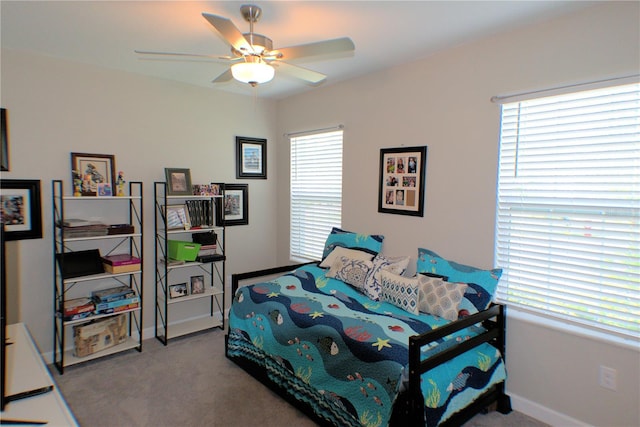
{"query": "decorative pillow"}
(396, 265)
(350, 271)
(347, 239)
(481, 287)
(348, 253)
(400, 291)
(440, 298)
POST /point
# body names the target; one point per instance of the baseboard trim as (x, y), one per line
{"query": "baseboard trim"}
(542, 413)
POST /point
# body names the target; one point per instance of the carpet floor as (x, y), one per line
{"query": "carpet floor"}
(190, 382)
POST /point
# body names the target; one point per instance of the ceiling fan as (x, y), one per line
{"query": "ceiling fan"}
(253, 58)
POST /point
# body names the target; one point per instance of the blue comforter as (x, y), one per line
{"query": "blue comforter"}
(344, 354)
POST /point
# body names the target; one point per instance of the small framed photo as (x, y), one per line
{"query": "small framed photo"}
(178, 181)
(402, 180)
(20, 208)
(216, 189)
(197, 285)
(104, 190)
(177, 217)
(91, 170)
(235, 208)
(251, 157)
(177, 291)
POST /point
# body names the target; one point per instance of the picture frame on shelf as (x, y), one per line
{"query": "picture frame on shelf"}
(104, 190)
(216, 188)
(177, 217)
(402, 180)
(197, 285)
(178, 181)
(4, 152)
(251, 157)
(91, 170)
(235, 207)
(20, 208)
(178, 290)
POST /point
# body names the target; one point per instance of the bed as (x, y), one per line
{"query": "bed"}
(346, 359)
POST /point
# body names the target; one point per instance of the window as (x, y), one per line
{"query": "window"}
(316, 192)
(568, 208)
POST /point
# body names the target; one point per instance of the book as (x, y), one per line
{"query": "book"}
(77, 306)
(117, 269)
(112, 294)
(120, 259)
(119, 309)
(117, 303)
(77, 316)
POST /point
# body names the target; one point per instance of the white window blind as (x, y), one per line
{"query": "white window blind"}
(316, 192)
(568, 208)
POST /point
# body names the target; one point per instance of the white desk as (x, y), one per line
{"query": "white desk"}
(26, 371)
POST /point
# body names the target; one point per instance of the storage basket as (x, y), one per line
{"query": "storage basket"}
(182, 251)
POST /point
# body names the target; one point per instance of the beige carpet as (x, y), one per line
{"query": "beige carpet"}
(189, 383)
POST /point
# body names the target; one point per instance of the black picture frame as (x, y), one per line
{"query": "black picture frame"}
(178, 290)
(178, 181)
(251, 158)
(402, 180)
(4, 151)
(88, 170)
(20, 209)
(234, 209)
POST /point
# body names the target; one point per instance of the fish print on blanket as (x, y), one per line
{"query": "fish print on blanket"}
(329, 345)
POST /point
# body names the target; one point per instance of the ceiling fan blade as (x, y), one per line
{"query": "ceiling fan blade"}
(326, 47)
(193, 55)
(229, 31)
(309, 76)
(224, 77)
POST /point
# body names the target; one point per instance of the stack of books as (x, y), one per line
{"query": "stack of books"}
(82, 228)
(78, 308)
(121, 263)
(114, 300)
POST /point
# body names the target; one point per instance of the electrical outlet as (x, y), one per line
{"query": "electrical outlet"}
(608, 378)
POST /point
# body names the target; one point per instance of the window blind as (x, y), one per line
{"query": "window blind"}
(316, 192)
(568, 207)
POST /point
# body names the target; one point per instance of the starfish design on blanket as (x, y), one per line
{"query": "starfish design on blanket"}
(273, 295)
(381, 343)
(316, 314)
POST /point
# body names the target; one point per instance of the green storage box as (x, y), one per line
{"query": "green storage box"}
(182, 251)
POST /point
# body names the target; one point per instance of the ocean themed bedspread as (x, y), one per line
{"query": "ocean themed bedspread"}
(344, 354)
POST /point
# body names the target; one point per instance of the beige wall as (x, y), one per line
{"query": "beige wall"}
(443, 102)
(57, 107)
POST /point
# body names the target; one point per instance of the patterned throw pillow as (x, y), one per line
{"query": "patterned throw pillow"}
(350, 271)
(373, 283)
(440, 298)
(347, 253)
(482, 284)
(400, 291)
(371, 244)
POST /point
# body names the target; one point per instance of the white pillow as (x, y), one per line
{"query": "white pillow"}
(440, 298)
(351, 271)
(400, 291)
(373, 282)
(347, 253)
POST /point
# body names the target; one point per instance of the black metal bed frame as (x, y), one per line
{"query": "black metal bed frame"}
(409, 407)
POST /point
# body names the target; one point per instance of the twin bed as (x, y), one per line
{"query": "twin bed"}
(350, 341)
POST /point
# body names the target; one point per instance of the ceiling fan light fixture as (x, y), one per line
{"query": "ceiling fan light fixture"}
(254, 73)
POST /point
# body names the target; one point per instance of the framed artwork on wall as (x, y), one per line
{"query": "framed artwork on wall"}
(89, 170)
(235, 205)
(178, 181)
(20, 208)
(251, 157)
(402, 180)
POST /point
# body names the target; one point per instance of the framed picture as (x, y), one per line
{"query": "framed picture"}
(91, 170)
(216, 189)
(251, 157)
(235, 208)
(4, 154)
(177, 217)
(20, 208)
(178, 181)
(177, 291)
(402, 180)
(197, 285)
(104, 190)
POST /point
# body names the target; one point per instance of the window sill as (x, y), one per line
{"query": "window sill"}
(572, 328)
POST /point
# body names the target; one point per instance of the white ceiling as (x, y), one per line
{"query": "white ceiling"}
(385, 33)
